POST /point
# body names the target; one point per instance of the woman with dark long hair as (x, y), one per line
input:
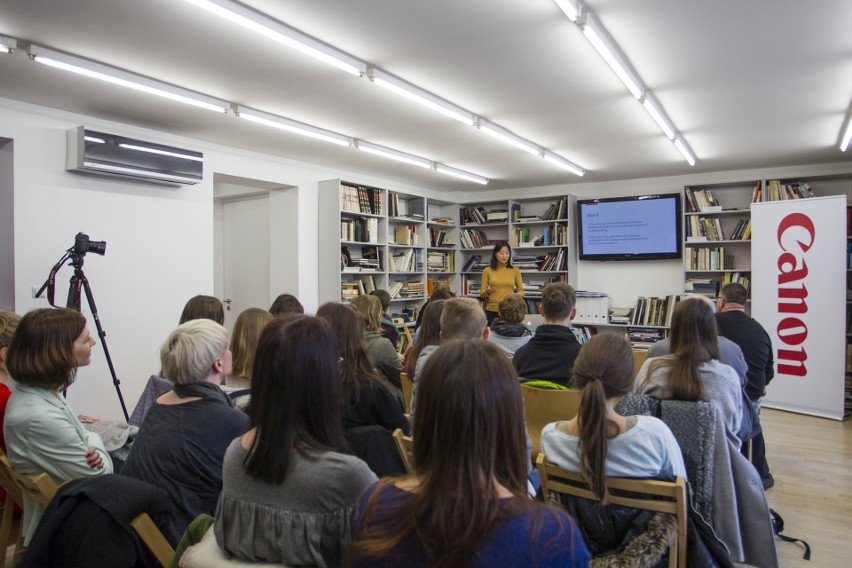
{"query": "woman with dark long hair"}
(499, 279)
(430, 335)
(599, 442)
(289, 491)
(467, 503)
(693, 371)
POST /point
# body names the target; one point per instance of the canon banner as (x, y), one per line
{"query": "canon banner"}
(799, 296)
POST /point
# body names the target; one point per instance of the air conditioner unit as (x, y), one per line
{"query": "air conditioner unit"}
(109, 154)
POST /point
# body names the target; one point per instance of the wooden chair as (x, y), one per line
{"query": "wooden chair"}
(646, 494)
(406, 449)
(10, 531)
(40, 488)
(543, 406)
(407, 340)
(153, 539)
(407, 389)
(639, 356)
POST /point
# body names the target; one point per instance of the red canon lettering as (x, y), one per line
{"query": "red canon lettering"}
(793, 268)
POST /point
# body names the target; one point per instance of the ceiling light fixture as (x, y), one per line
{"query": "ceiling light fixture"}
(685, 150)
(7, 44)
(562, 163)
(571, 9)
(94, 139)
(123, 78)
(161, 152)
(607, 49)
(461, 174)
(650, 104)
(282, 33)
(511, 138)
(847, 133)
(392, 154)
(418, 95)
(292, 126)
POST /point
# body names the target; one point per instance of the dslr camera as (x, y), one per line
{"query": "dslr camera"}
(82, 245)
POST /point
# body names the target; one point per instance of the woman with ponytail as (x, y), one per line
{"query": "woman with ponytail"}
(598, 442)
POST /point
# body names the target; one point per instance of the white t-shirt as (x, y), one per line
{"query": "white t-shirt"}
(648, 450)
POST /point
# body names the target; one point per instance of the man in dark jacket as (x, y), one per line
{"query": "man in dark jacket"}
(550, 354)
(746, 332)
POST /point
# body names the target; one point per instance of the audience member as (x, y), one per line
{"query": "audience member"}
(693, 370)
(550, 353)
(43, 435)
(290, 489)
(370, 411)
(461, 319)
(598, 442)
(389, 329)
(182, 442)
(286, 304)
(430, 334)
(467, 503)
(499, 279)
(507, 331)
(737, 326)
(8, 323)
(244, 340)
(382, 353)
(440, 292)
(203, 307)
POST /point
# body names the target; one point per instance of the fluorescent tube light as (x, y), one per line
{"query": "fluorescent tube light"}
(161, 152)
(461, 174)
(125, 79)
(656, 112)
(94, 139)
(392, 154)
(292, 126)
(606, 48)
(571, 9)
(7, 44)
(563, 163)
(409, 91)
(282, 33)
(847, 134)
(682, 147)
(501, 133)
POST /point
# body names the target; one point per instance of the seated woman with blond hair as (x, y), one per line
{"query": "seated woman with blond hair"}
(383, 354)
(466, 503)
(247, 329)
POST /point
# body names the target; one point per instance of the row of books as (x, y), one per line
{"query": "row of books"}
(408, 289)
(478, 215)
(474, 264)
(471, 287)
(775, 191)
(699, 200)
(710, 259)
(364, 230)
(473, 239)
(440, 261)
(406, 235)
(655, 311)
(710, 287)
(644, 338)
(350, 289)
(554, 262)
(555, 212)
(848, 255)
(406, 260)
(549, 236)
(360, 199)
(439, 238)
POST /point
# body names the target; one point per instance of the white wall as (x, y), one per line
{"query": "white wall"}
(7, 225)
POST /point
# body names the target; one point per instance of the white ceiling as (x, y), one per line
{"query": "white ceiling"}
(749, 83)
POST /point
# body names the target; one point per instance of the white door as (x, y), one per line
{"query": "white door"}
(245, 256)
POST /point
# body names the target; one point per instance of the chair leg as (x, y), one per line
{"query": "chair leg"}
(6, 529)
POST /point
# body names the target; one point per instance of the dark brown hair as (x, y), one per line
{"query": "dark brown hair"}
(349, 329)
(295, 395)
(512, 308)
(557, 300)
(286, 304)
(468, 437)
(430, 333)
(41, 353)
(497, 246)
(735, 293)
(604, 369)
(694, 340)
(441, 292)
(383, 296)
(203, 307)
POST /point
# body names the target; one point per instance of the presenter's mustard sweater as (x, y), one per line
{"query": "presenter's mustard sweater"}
(504, 280)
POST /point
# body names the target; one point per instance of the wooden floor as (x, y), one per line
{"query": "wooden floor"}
(811, 460)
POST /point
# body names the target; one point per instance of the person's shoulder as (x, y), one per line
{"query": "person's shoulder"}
(558, 538)
(347, 471)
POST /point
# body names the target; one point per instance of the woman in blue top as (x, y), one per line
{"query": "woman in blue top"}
(466, 504)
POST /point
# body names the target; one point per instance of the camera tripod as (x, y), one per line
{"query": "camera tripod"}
(77, 284)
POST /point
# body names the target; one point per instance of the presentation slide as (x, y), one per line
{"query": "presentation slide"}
(629, 227)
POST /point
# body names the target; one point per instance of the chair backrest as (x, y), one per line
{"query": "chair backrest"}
(7, 481)
(639, 356)
(405, 445)
(646, 494)
(40, 487)
(543, 406)
(407, 389)
(407, 339)
(153, 539)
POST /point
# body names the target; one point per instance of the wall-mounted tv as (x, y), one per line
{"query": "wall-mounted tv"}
(644, 227)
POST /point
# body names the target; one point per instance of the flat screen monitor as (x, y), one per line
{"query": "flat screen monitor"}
(644, 227)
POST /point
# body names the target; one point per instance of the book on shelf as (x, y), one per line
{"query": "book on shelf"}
(406, 235)
(442, 220)
(360, 199)
(497, 215)
(700, 200)
(403, 260)
(363, 230)
(473, 260)
(776, 191)
(440, 261)
(653, 311)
